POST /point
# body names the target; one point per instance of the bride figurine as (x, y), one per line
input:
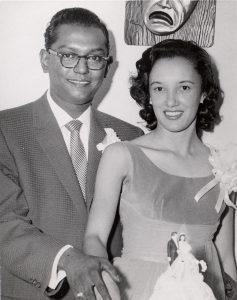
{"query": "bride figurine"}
(183, 280)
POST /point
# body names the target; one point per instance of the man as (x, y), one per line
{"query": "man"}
(172, 247)
(48, 163)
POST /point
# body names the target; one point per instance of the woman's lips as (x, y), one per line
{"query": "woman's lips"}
(173, 115)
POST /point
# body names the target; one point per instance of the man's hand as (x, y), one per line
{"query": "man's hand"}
(84, 274)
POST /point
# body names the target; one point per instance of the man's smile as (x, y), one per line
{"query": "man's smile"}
(79, 82)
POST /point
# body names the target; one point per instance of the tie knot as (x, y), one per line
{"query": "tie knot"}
(74, 125)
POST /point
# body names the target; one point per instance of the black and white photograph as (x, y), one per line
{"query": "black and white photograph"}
(118, 150)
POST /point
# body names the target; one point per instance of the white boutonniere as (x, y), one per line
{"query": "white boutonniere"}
(224, 163)
(110, 138)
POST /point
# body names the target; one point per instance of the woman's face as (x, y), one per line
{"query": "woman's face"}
(175, 93)
(166, 16)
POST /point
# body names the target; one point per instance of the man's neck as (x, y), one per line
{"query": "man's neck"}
(73, 110)
(76, 110)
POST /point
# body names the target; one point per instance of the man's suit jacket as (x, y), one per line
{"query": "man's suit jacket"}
(41, 203)
(172, 250)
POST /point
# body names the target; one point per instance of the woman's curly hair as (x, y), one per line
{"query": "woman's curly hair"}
(208, 112)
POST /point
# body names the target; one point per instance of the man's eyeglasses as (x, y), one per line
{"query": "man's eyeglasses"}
(93, 61)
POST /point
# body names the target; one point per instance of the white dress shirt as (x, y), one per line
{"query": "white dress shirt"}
(62, 119)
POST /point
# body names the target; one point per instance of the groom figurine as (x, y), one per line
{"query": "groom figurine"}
(49, 154)
(172, 247)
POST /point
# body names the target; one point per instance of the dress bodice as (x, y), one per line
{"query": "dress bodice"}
(154, 204)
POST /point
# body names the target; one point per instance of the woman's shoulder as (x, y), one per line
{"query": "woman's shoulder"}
(126, 145)
(125, 153)
(115, 149)
(121, 152)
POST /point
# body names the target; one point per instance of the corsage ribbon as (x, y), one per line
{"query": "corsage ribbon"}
(223, 195)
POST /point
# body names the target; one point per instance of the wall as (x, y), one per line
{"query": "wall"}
(22, 25)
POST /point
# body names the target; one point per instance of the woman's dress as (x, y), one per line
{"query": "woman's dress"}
(154, 204)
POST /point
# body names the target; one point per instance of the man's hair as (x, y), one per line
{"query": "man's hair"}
(73, 16)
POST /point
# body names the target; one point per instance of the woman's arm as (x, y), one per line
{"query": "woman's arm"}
(225, 243)
(111, 172)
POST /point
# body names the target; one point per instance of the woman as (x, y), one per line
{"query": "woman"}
(161, 181)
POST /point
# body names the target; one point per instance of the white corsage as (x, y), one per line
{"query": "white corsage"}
(224, 162)
(110, 138)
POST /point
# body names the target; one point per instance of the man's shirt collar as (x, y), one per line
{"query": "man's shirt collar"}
(63, 117)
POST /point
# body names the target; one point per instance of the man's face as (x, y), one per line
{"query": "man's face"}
(175, 237)
(166, 16)
(78, 85)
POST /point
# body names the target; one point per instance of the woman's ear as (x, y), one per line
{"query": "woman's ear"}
(203, 97)
(44, 60)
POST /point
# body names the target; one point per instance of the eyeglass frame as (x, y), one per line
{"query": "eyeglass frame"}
(108, 59)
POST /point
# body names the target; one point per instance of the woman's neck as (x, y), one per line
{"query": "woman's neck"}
(183, 143)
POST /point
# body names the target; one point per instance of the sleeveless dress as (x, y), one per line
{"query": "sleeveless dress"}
(154, 204)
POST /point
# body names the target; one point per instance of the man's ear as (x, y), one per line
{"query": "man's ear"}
(44, 60)
(108, 65)
(106, 70)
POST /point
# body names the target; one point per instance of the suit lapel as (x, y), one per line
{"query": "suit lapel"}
(97, 135)
(51, 140)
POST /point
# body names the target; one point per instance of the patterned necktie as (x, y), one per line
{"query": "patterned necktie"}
(78, 154)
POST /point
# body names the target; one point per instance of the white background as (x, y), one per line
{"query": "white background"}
(22, 24)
